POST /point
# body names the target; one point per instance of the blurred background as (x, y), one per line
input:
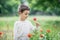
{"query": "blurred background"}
(46, 11)
(38, 7)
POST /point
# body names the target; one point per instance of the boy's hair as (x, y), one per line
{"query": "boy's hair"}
(23, 8)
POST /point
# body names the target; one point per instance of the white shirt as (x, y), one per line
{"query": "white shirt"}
(22, 28)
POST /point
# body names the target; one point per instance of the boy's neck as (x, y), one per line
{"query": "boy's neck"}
(22, 20)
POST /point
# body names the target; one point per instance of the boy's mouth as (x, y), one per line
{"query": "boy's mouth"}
(25, 17)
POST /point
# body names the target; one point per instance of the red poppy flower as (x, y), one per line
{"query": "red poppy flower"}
(41, 35)
(34, 19)
(29, 35)
(48, 31)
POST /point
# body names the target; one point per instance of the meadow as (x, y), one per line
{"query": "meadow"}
(51, 23)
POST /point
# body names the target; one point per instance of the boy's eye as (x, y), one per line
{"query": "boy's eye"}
(26, 14)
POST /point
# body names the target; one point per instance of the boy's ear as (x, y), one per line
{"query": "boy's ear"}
(19, 12)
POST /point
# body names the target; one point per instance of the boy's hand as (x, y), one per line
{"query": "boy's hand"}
(37, 24)
(35, 20)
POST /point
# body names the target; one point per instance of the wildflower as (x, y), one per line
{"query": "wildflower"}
(41, 35)
(29, 35)
(41, 30)
(48, 31)
(34, 19)
(1, 34)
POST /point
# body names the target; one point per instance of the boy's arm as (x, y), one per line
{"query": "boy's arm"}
(35, 27)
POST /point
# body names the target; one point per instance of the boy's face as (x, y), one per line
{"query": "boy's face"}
(24, 14)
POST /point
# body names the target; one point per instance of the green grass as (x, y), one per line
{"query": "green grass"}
(46, 22)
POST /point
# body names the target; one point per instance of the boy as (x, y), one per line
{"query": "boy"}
(23, 26)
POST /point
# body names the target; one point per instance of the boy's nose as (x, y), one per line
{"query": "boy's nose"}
(27, 15)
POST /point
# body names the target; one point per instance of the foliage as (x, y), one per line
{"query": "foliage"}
(8, 6)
